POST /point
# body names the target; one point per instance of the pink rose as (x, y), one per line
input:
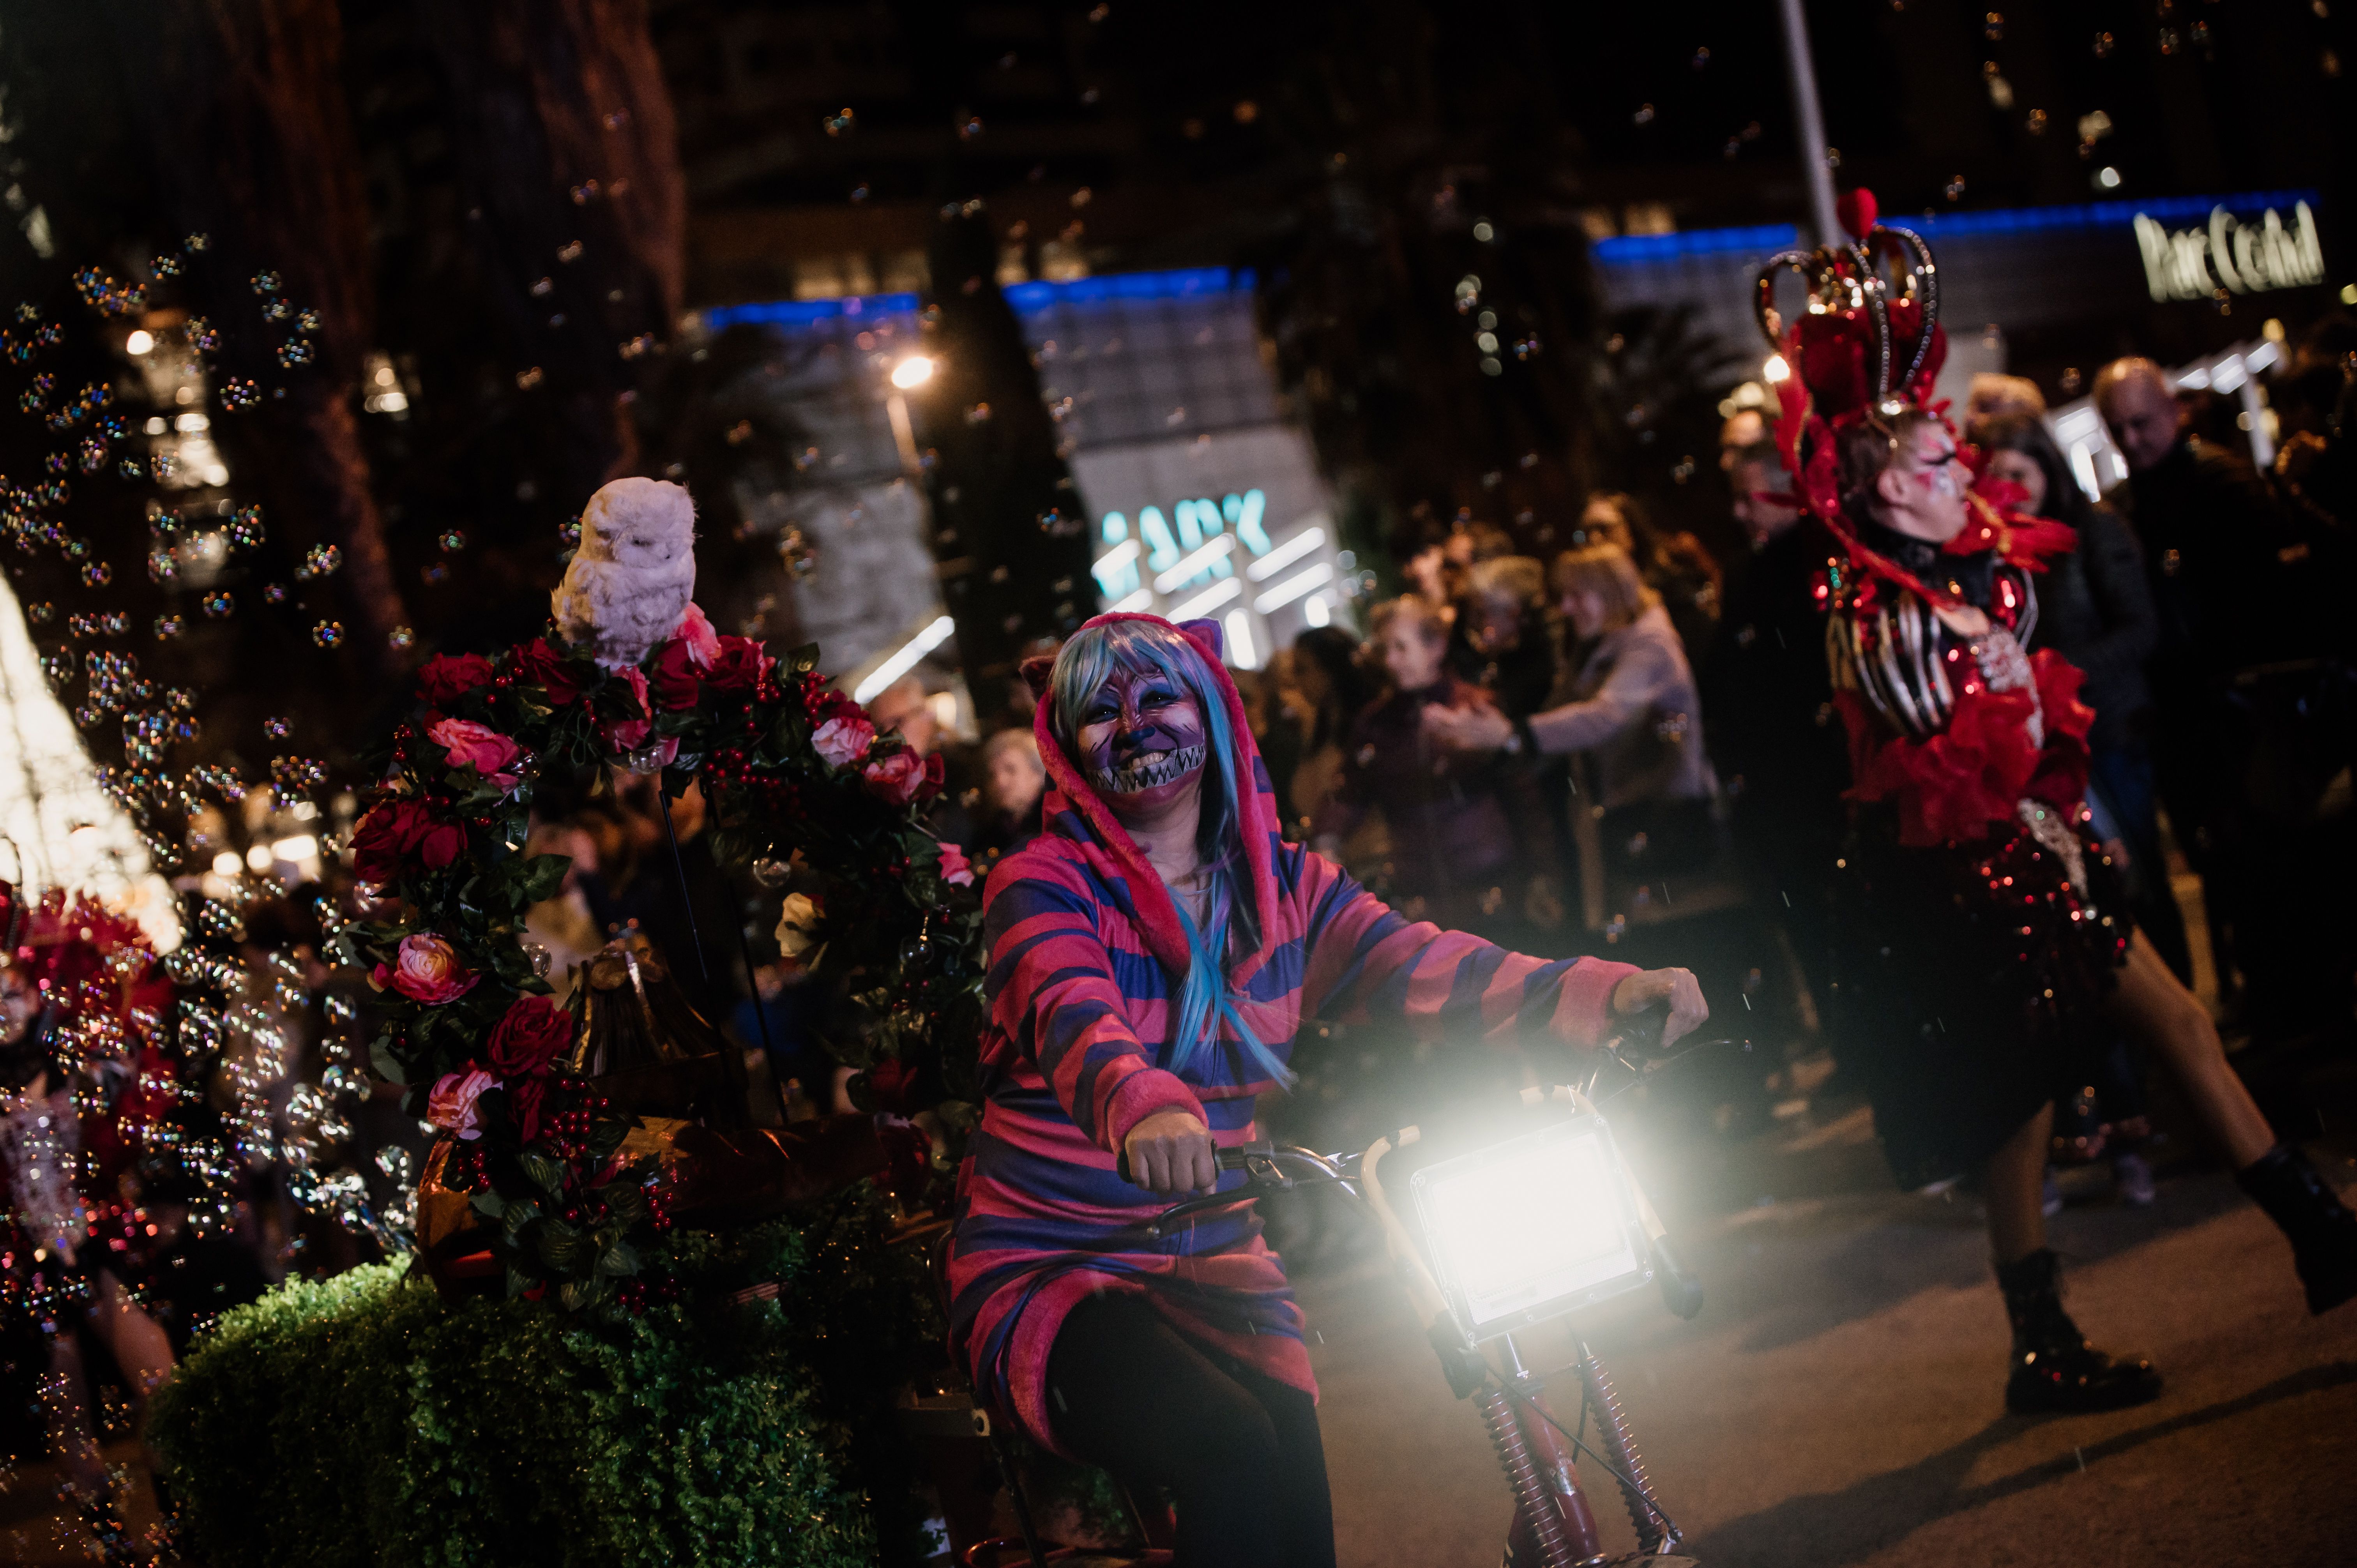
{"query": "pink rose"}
(426, 969)
(955, 869)
(703, 643)
(843, 741)
(451, 1104)
(479, 746)
(899, 778)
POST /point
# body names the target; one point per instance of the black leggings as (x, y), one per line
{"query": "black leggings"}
(1239, 1450)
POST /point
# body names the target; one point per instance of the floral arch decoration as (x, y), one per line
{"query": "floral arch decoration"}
(792, 774)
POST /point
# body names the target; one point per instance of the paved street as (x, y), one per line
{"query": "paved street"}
(1838, 1401)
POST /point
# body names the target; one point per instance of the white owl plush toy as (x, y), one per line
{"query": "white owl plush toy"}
(630, 583)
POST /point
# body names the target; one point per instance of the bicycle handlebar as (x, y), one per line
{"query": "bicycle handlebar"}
(1240, 1157)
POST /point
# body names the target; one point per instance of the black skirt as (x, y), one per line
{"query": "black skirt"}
(1971, 980)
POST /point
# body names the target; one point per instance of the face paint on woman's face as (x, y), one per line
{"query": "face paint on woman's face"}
(1141, 741)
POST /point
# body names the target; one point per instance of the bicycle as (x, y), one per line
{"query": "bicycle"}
(1481, 1258)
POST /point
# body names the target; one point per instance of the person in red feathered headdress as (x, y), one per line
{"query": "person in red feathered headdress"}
(1987, 948)
(82, 1083)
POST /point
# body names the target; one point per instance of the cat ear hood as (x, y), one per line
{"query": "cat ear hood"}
(1075, 811)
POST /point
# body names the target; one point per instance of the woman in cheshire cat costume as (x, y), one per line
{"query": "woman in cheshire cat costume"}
(1153, 955)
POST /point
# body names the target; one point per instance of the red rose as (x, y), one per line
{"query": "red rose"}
(525, 1097)
(956, 870)
(892, 1085)
(544, 667)
(439, 842)
(446, 678)
(829, 706)
(902, 776)
(380, 842)
(628, 732)
(677, 682)
(741, 662)
(531, 1034)
(395, 832)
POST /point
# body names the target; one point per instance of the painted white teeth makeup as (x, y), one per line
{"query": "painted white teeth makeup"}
(1151, 770)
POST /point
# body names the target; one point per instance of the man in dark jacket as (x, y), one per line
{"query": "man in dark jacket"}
(2094, 608)
(2252, 703)
(1767, 700)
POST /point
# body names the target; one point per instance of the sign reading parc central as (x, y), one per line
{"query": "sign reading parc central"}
(2241, 258)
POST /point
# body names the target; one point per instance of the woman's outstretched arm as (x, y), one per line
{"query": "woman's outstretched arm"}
(1365, 958)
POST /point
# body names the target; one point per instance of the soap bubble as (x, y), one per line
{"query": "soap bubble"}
(278, 728)
(328, 633)
(97, 575)
(168, 627)
(219, 606)
(401, 638)
(275, 594)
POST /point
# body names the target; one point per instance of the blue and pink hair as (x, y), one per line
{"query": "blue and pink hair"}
(1147, 647)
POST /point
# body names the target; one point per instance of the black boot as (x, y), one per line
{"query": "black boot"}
(2054, 1368)
(2323, 1232)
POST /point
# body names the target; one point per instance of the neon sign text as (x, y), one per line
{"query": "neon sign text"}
(2241, 257)
(1187, 534)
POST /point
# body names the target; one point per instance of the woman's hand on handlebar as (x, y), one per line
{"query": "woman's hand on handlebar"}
(1171, 1151)
(1675, 988)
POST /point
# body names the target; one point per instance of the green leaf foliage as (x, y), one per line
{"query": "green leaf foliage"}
(362, 1422)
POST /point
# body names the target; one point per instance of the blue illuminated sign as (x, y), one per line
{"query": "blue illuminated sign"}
(1189, 545)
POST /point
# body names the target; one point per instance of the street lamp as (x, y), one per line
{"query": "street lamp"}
(907, 377)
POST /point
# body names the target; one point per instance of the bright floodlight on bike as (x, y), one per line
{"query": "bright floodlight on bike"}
(1534, 1228)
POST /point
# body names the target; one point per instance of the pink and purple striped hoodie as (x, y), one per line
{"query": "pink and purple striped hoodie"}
(1086, 959)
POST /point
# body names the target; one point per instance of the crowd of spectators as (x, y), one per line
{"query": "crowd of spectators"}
(1631, 747)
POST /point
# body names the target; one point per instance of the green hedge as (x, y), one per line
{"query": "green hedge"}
(360, 1421)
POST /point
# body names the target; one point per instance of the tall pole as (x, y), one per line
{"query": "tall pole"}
(1811, 122)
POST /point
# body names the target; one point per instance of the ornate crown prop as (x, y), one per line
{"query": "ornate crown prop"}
(1869, 348)
(1842, 352)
